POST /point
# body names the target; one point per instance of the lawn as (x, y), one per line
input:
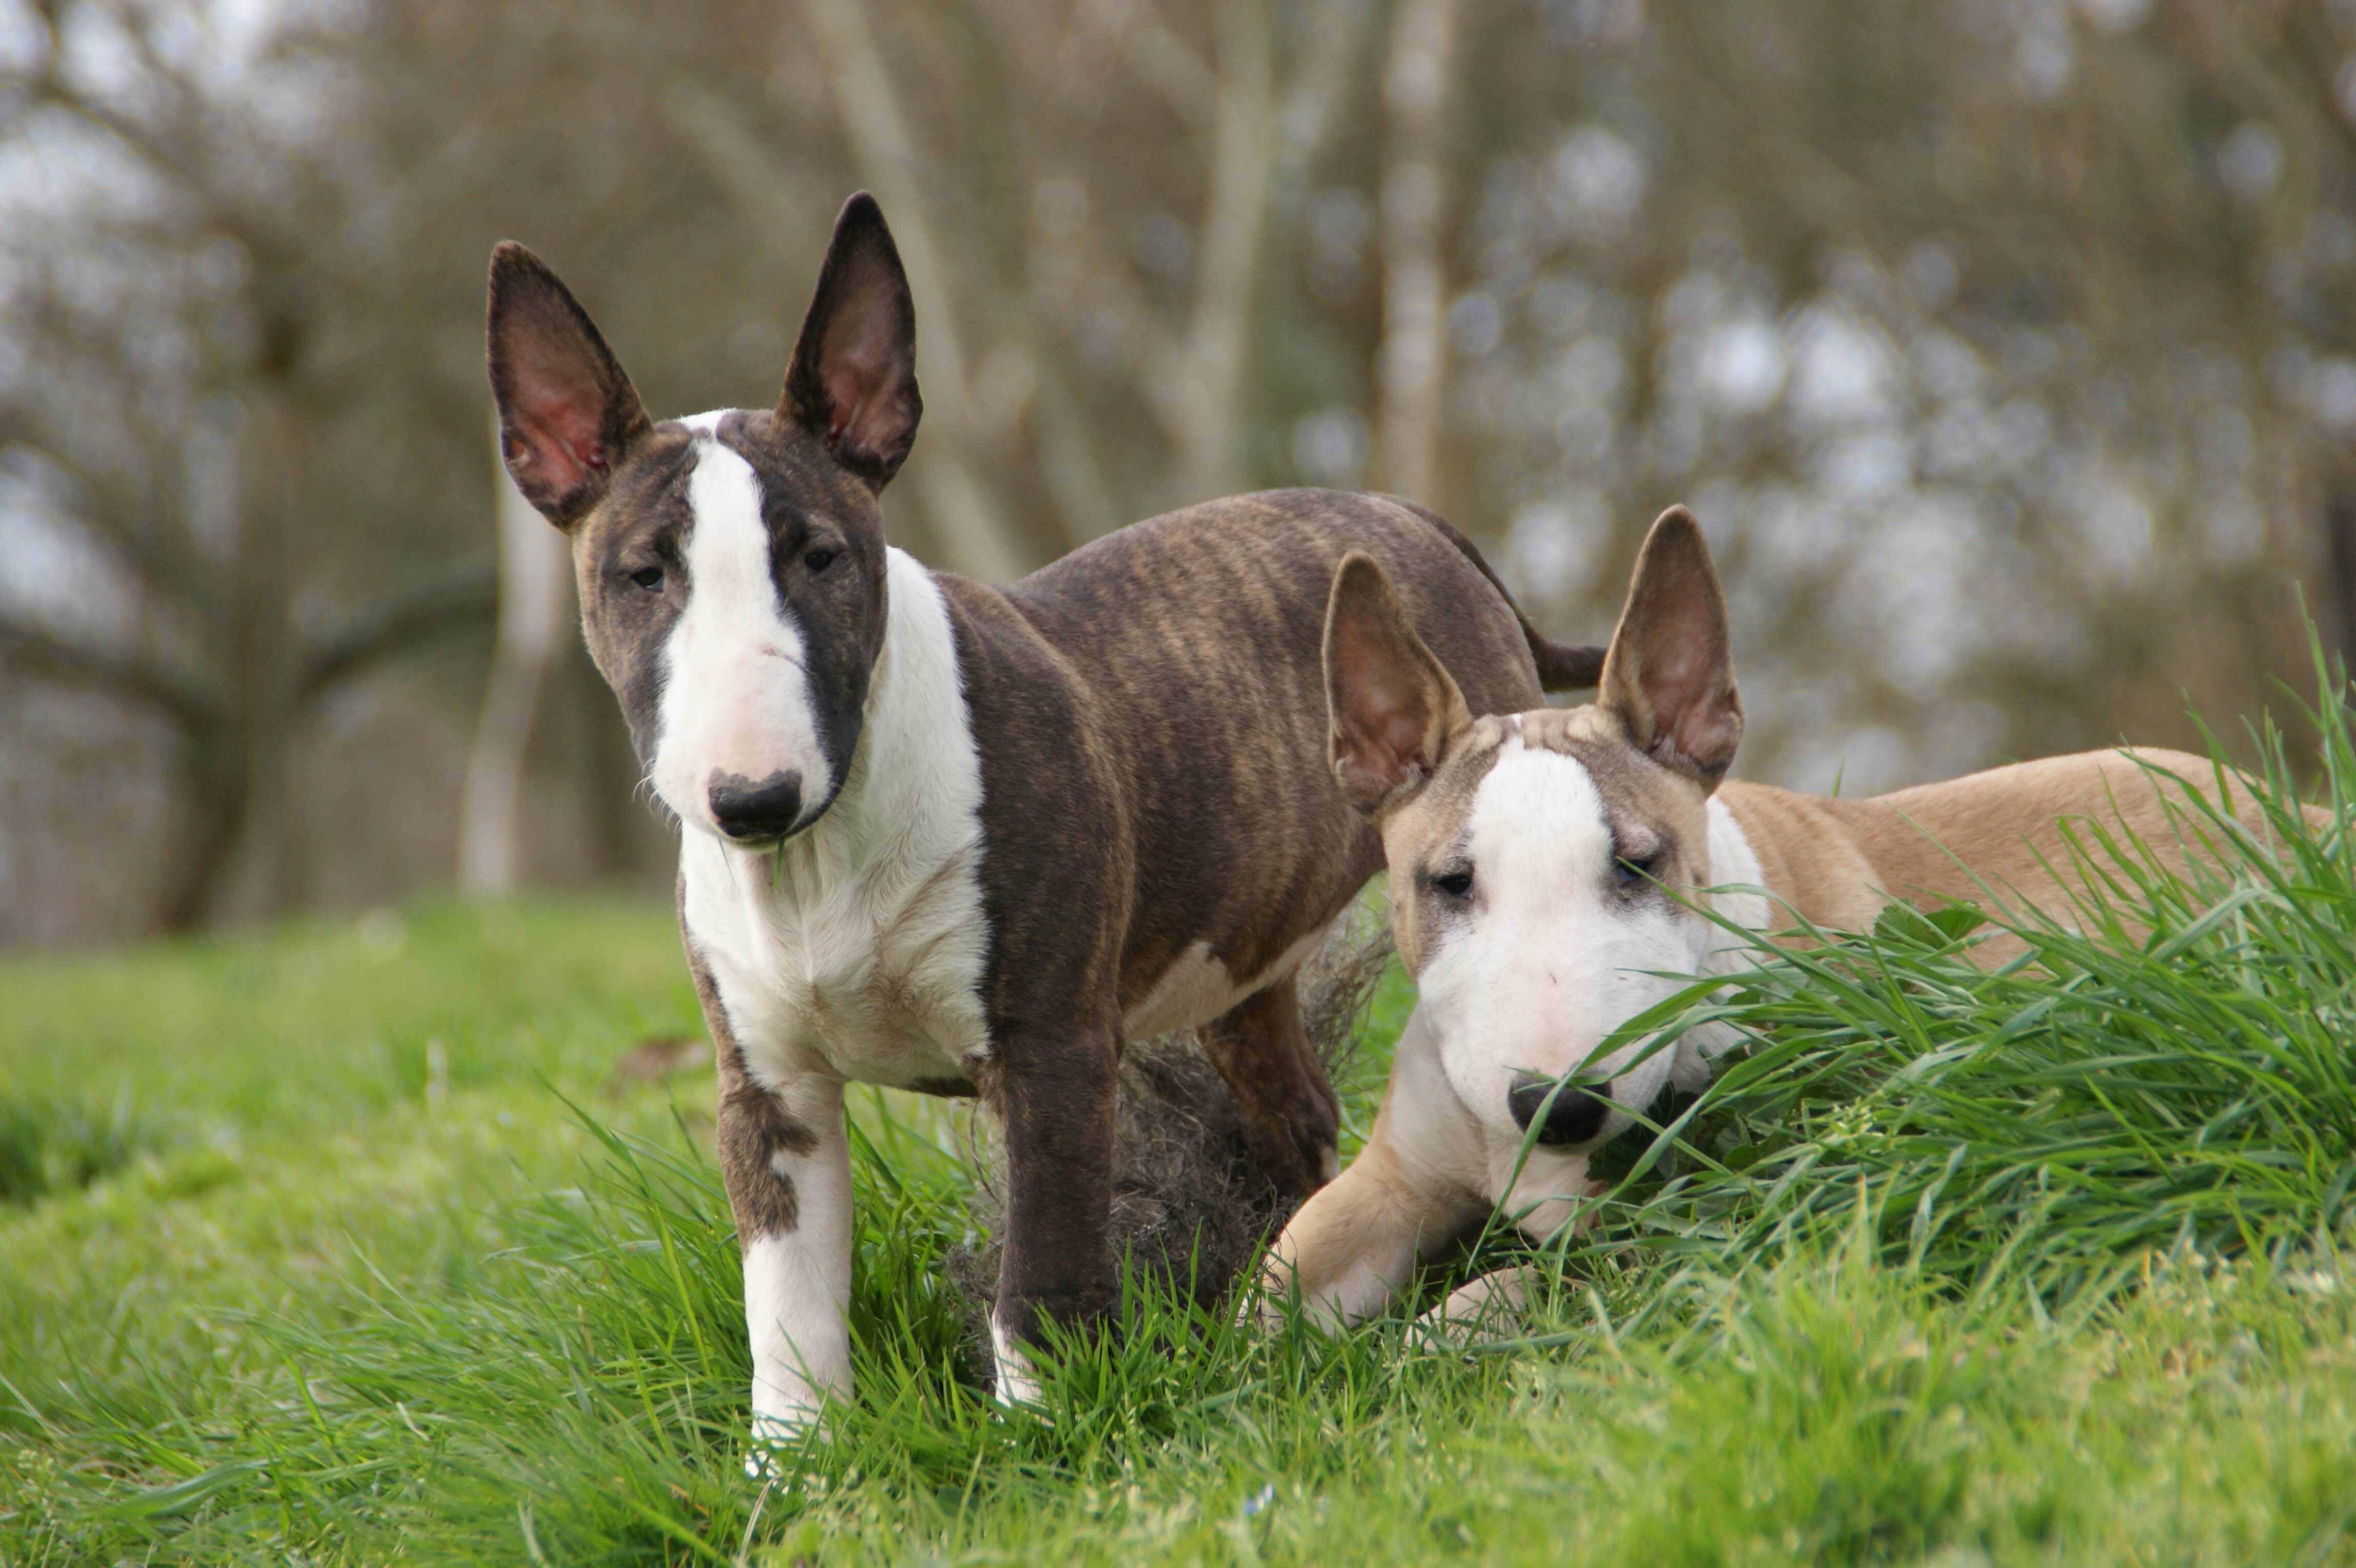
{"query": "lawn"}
(339, 1244)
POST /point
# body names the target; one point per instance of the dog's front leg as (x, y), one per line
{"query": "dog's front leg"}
(1351, 1248)
(1055, 1097)
(788, 1168)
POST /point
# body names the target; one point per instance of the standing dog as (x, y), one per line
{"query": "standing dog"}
(952, 837)
(1544, 870)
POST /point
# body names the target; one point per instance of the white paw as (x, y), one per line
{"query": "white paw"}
(1489, 1309)
(774, 1433)
(1266, 1304)
(1017, 1383)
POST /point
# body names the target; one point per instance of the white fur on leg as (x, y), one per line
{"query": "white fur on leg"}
(1487, 1309)
(801, 1346)
(1017, 1383)
(1368, 1283)
(796, 1287)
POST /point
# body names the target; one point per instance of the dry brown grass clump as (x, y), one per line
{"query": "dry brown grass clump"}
(1190, 1203)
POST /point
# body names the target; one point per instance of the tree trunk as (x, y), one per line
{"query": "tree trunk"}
(1410, 375)
(214, 790)
(535, 595)
(974, 536)
(258, 875)
(1226, 279)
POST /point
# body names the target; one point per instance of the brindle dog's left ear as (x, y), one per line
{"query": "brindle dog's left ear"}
(1670, 672)
(1392, 705)
(852, 383)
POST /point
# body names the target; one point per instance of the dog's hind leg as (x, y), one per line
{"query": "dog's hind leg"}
(1057, 1106)
(1292, 1118)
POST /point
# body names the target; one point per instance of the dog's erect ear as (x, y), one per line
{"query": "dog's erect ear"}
(854, 380)
(1670, 673)
(566, 411)
(1391, 705)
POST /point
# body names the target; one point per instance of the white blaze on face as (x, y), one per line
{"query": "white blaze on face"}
(1549, 957)
(736, 697)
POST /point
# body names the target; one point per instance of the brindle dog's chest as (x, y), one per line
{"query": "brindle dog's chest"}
(875, 980)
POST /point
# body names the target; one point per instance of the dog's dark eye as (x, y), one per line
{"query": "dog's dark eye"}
(818, 561)
(1634, 871)
(650, 578)
(1456, 883)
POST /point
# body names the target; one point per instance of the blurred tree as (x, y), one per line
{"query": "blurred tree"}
(2005, 346)
(536, 611)
(174, 415)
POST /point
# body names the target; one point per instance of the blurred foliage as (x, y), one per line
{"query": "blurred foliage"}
(2007, 347)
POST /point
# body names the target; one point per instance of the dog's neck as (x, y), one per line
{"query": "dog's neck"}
(911, 800)
(1831, 862)
(1738, 887)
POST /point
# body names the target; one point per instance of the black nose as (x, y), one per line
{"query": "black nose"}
(1573, 1118)
(765, 809)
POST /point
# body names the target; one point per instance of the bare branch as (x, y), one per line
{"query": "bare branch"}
(460, 598)
(1161, 60)
(1068, 460)
(1312, 107)
(1415, 98)
(191, 700)
(169, 148)
(1210, 414)
(755, 174)
(159, 558)
(963, 512)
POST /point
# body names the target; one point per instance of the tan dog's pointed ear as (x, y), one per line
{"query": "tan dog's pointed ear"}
(1392, 707)
(1670, 672)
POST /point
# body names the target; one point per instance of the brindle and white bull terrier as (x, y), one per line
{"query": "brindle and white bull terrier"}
(1545, 870)
(959, 838)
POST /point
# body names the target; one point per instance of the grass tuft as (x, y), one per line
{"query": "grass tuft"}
(55, 1143)
(2167, 1070)
(1947, 1266)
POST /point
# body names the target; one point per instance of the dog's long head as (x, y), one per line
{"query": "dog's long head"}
(732, 565)
(1534, 857)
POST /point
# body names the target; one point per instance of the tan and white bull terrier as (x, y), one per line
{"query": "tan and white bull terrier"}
(1540, 865)
(953, 837)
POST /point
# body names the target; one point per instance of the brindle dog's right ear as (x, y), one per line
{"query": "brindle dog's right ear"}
(852, 383)
(567, 413)
(1392, 705)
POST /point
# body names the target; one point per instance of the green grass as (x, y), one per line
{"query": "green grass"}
(326, 1245)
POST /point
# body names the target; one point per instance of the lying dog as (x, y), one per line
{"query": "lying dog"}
(1537, 861)
(959, 838)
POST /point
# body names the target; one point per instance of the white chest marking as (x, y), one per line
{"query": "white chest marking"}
(857, 952)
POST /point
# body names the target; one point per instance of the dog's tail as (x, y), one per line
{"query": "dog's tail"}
(1562, 666)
